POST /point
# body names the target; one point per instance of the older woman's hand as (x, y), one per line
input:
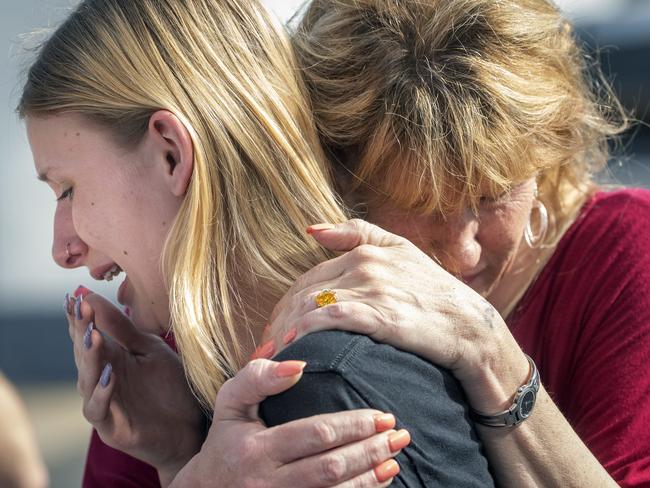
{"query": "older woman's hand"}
(133, 386)
(343, 450)
(388, 289)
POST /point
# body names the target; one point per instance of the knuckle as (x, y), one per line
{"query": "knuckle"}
(357, 224)
(333, 467)
(336, 310)
(325, 434)
(366, 253)
(377, 451)
(88, 412)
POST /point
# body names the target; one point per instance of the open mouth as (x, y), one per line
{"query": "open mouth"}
(113, 272)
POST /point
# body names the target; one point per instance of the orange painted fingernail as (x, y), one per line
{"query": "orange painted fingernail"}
(399, 440)
(384, 421)
(387, 470)
(290, 336)
(266, 350)
(289, 368)
(318, 227)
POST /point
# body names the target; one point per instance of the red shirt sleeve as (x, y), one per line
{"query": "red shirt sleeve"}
(587, 322)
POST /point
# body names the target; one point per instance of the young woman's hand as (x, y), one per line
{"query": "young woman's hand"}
(388, 289)
(343, 450)
(133, 386)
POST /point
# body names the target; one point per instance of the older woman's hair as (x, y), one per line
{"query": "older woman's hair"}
(431, 105)
(227, 70)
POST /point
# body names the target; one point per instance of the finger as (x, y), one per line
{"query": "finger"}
(370, 479)
(93, 357)
(351, 316)
(313, 435)
(363, 261)
(110, 320)
(82, 315)
(239, 397)
(347, 463)
(353, 233)
(96, 410)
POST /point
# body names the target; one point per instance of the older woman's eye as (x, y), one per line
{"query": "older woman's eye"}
(491, 200)
(66, 194)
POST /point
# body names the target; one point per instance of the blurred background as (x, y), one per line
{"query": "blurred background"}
(35, 351)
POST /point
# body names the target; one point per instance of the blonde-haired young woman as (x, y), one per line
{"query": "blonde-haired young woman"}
(474, 128)
(177, 139)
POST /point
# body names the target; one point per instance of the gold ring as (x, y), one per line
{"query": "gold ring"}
(325, 297)
(67, 249)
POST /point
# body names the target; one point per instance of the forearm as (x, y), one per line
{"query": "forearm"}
(542, 451)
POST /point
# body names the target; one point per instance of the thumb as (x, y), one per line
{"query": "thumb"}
(351, 234)
(240, 396)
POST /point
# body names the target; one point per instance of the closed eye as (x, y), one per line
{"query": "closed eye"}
(66, 194)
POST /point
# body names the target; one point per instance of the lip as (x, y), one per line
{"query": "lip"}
(99, 272)
(121, 292)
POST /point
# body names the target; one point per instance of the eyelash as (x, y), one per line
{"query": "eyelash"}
(493, 200)
(67, 193)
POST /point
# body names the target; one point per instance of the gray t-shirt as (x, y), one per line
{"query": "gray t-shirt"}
(348, 371)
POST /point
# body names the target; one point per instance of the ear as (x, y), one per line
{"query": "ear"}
(173, 146)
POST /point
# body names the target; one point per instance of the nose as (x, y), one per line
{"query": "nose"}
(68, 250)
(456, 243)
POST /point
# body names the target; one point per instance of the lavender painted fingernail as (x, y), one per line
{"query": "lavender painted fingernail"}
(77, 307)
(88, 339)
(106, 375)
(66, 303)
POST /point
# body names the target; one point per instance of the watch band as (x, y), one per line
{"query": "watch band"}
(522, 406)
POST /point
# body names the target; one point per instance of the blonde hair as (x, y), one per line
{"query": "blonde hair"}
(428, 103)
(226, 69)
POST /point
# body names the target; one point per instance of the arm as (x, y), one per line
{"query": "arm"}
(443, 320)
(21, 465)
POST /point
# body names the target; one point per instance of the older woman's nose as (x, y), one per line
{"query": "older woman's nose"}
(68, 250)
(458, 248)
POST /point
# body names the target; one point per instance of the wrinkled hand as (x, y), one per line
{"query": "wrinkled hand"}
(133, 386)
(388, 289)
(343, 450)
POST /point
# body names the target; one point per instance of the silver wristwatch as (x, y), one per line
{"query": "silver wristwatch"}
(522, 406)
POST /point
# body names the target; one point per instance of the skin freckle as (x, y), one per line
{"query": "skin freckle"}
(164, 223)
(125, 253)
(92, 204)
(78, 134)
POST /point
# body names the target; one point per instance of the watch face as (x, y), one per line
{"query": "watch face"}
(527, 403)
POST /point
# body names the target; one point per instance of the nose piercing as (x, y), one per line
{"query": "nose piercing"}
(67, 249)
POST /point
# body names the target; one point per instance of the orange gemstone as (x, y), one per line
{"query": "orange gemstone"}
(325, 297)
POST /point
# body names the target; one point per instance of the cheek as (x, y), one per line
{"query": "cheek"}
(502, 232)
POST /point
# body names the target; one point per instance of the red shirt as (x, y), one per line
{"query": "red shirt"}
(586, 323)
